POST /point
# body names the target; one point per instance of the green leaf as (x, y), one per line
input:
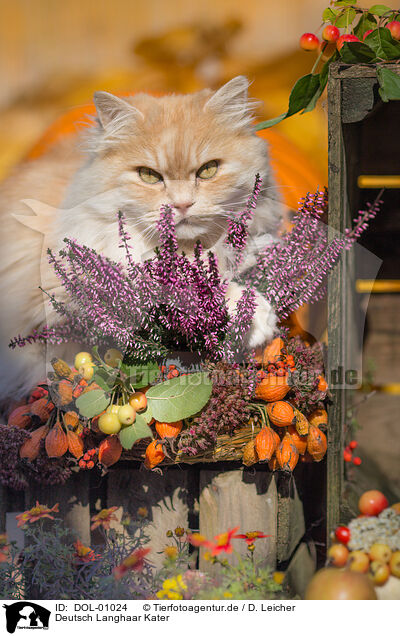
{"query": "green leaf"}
(389, 84)
(330, 15)
(365, 23)
(379, 9)
(345, 18)
(92, 403)
(131, 434)
(180, 397)
(99, 379)
(147, 414)
(140, 376)
(302, 93)
(324, 74)
(353, 52)
(270, 122)
(344, 3)
(382, 43)
(301, 96)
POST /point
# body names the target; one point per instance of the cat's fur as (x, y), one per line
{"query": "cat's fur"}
(78, 186)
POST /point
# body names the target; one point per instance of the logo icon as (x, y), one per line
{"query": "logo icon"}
(26, 615)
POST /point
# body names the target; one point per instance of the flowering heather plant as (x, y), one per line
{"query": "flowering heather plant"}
(171, 302)
(146, 309)
(292, 272)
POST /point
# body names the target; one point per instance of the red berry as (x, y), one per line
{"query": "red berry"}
(81, 464)
(357, 461)
(92, 452)
(174, 373)
(331, 33)
(309, 42)
(280, 373)
(366, 34)
(169, 376)
(347, 456)
(348, 37)
(353, 444)
(171, 367)
(86, 456)
(394, 28)
(90, 464)
(342, 534)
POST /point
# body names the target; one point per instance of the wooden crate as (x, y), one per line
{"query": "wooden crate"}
(208, 497)
(363, 136)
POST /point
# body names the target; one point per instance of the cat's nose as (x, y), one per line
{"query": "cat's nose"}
(183, 206)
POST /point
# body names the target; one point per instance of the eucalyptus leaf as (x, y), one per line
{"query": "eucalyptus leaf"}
(180, 397)
(92, 403)
(136, 431)
(101, 381)
(382, 43)
(140, 376)
(147, 414)
(379, 9)
(353, 52)
(389, 84)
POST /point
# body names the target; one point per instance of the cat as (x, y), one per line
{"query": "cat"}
(197, 152)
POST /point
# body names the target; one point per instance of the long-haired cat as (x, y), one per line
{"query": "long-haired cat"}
(197, 152)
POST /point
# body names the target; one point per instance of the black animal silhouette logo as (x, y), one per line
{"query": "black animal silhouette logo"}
(26, 615)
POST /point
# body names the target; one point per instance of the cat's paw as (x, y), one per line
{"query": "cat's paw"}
(264, 323)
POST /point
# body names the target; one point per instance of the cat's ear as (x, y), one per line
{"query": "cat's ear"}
(232, 102)
(113, 112)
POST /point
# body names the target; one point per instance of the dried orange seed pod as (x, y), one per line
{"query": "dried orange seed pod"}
(281, 413)
(287, 454)
(316, 443)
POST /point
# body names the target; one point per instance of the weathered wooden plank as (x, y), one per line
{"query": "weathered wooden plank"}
(73, 499)
(167, 497)
(243, 498)
(336, 299)
(290, 516)
(340, 70)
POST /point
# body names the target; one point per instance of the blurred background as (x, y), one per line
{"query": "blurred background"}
(54, 54)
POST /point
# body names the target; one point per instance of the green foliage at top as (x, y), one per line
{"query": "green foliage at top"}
(377, 47)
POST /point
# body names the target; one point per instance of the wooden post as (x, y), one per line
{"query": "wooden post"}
(241, 498)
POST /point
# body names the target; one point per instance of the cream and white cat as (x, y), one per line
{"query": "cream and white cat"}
(196, 152)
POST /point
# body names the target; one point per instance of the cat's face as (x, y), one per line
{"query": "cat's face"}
(195, 152)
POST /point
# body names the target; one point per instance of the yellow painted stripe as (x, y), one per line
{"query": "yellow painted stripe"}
(378, 181)
(392, 389)
(377, 286)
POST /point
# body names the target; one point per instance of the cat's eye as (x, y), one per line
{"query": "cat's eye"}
(208, 170)
(149, 176)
